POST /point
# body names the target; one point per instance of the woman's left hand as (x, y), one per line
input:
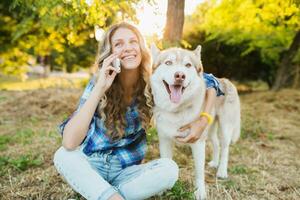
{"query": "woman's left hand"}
(196, 129)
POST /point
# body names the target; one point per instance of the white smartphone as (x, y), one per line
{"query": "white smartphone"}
(116, 63)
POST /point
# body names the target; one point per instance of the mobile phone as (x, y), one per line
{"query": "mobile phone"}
(116, 63)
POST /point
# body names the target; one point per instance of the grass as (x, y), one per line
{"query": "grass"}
(181, 190)
(22, 136)
(152, 135)
(21, 163)
(39, 83)
(238, 169)
(263, 164)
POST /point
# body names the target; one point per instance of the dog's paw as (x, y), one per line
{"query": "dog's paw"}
(213, 164)
(200, 194)
(222, 173)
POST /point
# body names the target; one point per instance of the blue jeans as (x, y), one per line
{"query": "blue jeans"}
(100, 175)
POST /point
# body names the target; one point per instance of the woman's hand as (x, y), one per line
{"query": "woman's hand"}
(196, 129)
(107, 72)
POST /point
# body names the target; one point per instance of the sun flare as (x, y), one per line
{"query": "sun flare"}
(152, 17)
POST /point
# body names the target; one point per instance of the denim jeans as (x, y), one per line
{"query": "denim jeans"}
(100, 175)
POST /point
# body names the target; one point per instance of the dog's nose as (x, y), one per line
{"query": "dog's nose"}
(179, 76)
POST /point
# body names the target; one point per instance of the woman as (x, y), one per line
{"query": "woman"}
(109, 125)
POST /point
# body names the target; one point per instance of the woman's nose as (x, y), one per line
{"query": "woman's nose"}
(127, 47)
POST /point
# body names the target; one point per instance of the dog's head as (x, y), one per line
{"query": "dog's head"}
(177, 75)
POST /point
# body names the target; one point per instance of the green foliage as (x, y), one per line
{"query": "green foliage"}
(244, 37)
(268, 25)
(62, 31)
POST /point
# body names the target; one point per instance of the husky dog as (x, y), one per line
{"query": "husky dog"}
(178, 89)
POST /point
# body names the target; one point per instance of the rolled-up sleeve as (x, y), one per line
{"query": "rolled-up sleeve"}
(212, 82)
(86, 93)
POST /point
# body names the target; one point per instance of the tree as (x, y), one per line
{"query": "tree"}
(175, 21)
(288, 71)
(264, 26)
(60, 32)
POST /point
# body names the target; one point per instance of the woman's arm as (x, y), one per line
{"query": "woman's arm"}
(197, 127)
(77, 127)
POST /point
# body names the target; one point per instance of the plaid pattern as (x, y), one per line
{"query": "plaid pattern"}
(130, 149)
(212, 82)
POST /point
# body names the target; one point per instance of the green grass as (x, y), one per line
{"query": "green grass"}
(4, 141)
(180, 191)
(21, 163)
(21, 136)
(252, 128)
(229, 184)
(238, 169)
(152, 135)
(2, 98)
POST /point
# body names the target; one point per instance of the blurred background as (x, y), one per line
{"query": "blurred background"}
(47, 49)
(243, 40)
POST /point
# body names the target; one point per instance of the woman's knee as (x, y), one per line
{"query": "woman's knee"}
(62, 156)
(59, 155)
(170, 171)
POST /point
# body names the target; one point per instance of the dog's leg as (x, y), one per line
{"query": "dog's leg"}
(165, 147)
(198, 150)
(216, 147)
(226, 134)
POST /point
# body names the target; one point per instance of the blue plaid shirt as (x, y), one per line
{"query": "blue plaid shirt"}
(212, 82)
(130, 149)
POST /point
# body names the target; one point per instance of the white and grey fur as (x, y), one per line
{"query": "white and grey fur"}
(169, 116)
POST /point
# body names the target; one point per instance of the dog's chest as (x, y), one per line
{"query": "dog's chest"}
(168, 123)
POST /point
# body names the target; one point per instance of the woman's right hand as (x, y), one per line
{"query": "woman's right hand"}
(107, 72)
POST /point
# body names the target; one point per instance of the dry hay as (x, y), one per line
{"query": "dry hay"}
(264, 164)
(37, 103)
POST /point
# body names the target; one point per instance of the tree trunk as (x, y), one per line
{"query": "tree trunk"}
(296, 82)
(175, 21)
(287, 70)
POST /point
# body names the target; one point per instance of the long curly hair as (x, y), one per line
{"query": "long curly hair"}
(111, 107)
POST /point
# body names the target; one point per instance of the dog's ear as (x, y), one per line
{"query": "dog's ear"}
(154, 51)
(197, 51)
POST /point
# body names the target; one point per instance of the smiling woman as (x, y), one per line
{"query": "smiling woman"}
(104, 141)
(131, 58)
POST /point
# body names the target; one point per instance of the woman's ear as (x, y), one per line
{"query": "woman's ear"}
(154, 52)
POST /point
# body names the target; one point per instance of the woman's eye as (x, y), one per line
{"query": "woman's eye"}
(188, 64)
(168, 62)
(118, 44)
(134, 41)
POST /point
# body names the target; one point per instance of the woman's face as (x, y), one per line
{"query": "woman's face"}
(126, 44)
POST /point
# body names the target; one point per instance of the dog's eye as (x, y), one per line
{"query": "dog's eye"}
(188, 64)
(168, 62)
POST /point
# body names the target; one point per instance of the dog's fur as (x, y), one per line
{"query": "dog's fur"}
(170, 113)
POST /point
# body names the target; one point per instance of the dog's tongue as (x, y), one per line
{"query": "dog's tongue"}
(175, 93)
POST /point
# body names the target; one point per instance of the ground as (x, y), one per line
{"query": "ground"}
(263, 164)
